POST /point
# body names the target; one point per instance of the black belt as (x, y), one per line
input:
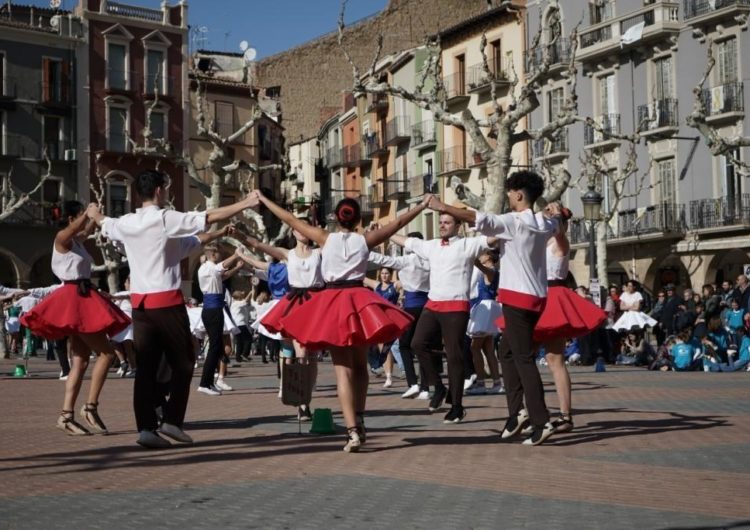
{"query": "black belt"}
(84, 285)
(557, 283)
(344, 284)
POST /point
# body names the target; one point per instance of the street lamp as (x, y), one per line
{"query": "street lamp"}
(592, 208)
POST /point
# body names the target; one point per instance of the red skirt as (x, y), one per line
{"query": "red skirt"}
(65, 312)
(333, 317)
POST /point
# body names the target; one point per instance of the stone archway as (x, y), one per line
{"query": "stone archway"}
(41, 272)
(669, 269)
(9, 273)
(727, 265)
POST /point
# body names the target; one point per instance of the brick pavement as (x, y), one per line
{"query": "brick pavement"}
(650, 450)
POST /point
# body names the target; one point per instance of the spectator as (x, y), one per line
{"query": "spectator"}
(714, 365)
(671, 308)
(686, 352)
(733, 319)
(656, 312)
(688, 301)
(636, 350)
(717, 341)
(727, 293)
(712, 300)
(612, 305)
(742, 293)
(663, 360)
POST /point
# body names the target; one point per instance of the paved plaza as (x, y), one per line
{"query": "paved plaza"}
(650, 450)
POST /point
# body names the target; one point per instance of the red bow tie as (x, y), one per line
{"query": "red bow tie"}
(444, 242)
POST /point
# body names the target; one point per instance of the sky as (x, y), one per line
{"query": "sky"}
(269, 26)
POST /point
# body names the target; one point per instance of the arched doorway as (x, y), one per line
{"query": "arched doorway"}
(727, 266)
(8, 276)
(669, 270)
(41, 272)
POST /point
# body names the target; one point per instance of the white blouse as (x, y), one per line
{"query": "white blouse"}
(344, 257)
(557, 266)
(72, 265)
(305, 272)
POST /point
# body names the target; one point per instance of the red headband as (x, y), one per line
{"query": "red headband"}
(566, 213)
(345, 213)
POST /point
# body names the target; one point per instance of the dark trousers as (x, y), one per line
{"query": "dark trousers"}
(520, 373)
(244, 342)
(158, 333)
(61, 350)
(213, 321)
(452, 328)
(407, 353)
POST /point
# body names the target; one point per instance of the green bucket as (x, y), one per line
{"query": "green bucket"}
(322, 422)
(20, 371)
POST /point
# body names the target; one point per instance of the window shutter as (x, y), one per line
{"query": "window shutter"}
(45, 80)
(65, 81)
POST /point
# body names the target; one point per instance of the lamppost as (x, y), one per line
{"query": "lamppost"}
(592, 208)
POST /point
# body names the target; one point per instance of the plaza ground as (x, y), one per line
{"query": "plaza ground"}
(650, 450)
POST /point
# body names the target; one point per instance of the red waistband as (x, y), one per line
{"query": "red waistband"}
(157, 300)
(521, 300)
(448, 306)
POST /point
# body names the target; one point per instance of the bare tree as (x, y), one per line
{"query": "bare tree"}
(12, 199)
(494, 136)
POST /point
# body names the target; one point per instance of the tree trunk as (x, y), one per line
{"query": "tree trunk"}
(113, 278)
(601, 252)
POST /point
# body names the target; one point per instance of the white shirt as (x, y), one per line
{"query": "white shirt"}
(74, 264)
(209, 277)
(450, 265)
(124, 302)
(557, 266)
(240, 311)
(9, 290)
(304, 272)
(155, 242)
(523, 269)
(630, 298)
(344, 257)
(413, 271)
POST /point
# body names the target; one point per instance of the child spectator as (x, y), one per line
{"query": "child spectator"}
(733, 319)
(686, 352)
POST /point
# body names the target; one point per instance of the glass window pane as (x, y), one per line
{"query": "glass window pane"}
(116, 66)
(157, 125)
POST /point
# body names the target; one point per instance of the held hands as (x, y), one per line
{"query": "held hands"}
(553, 209)
(92, 211)
(254, 199)
(228, 230)
(433, 203)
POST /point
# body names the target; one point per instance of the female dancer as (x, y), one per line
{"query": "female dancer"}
(345, 317)
(304, 273)
(388, 290)
(79, 311)
(566, 315)
(630, 305)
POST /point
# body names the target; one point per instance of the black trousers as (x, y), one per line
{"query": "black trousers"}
(244, 342)
(407, 353)
(158, 333)
(213, 321)
(452, 328)
(520, 373)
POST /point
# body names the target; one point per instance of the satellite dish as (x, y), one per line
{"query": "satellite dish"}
(55, 21)
(244, 45)
(250, 54)
(54, 4)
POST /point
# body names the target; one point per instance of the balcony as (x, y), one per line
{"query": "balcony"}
(609, 123)
(125, 10)
(722, 213)
(455, 89)
(555, 148)
(559, 56)
(374, 146)
(354, 156)
(699, 12)
(660, 21)
(480, 83)
(662, 218)
(397, 186)
(578, 231)
(366, 205)
(397, 130)
(726, 100)
(153, 82)
(660, 116)
(54, 95)
(18, 146)
(376, 103)
(333, 157)
(377, 195)
(452, 161)
(56, 151)
(423, 135)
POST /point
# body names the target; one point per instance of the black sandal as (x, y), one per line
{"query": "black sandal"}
(91, 415)
(353, 441)
(361, 427)
(69, 426)
(564, 423)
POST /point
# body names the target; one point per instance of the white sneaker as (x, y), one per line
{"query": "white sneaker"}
(388, 382)
(130, 374)
(540, 434)
(174, 432)
(151, 440)
(468, 383)
(209, 390)
(221, 385)
(412, 391)
(63, 377)
(497, 388)
(424, 394)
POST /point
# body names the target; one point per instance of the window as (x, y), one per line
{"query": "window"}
(119, 203)
(555, 100)
(727, 61)
(600, 10)
(51, 191)
(117, 75)
(608, 189)
(731, 185)
(117, 133)
(52, 136)
(664, 78)
(496, 57)
(155, 66)
(224, 118)
(428, 176)
(460, 75)
(4, 90)
(607, 95)
(667, 185)
(157, 124)
(54, 78)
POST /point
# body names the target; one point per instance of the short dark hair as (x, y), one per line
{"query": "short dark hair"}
(529, 182)
(70, 209)
(147, 182)
(348, 213)
(418, 235)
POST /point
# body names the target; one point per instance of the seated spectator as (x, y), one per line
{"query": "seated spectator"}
(663, 359)
(719, 338)
(572, 352)
(714, 364)
(635, 351)
(686, 352)
(733, 319)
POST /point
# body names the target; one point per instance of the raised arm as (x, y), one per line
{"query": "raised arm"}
(370, 283)
(227, 212)
(313, 233)
(275, 252)
(462, 214)
(64, 238)
(234, 270)
(488, 272)
(377, 236)
(398, 239)
(209, 237)
(255, 263)
(229, 262)
(392, 262)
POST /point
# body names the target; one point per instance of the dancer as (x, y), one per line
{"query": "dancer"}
(446, 314)
(123, 341)
(566, 316)
(211, 277)
(522, 291)
(381, 354)
(304, 274)
(77, 310)
(630, 305)
(345, 317)
(156, 239)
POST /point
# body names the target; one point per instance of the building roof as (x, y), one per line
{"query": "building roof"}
(469, 22)
(18, 16)
(214, 52)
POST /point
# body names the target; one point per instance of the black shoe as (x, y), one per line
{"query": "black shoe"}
(514, 424)
(303, 413)
(265, 361)
(540, 434)
(564, 423)
(437, 398)
(455, 415)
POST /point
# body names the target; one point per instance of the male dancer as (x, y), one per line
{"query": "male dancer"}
(522, 291)
(152, 240)
(451, 261)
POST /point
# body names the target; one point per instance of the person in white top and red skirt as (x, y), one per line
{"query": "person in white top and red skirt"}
(344, 317)
(77, 310)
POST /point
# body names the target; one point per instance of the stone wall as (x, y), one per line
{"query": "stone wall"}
(313, 76)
